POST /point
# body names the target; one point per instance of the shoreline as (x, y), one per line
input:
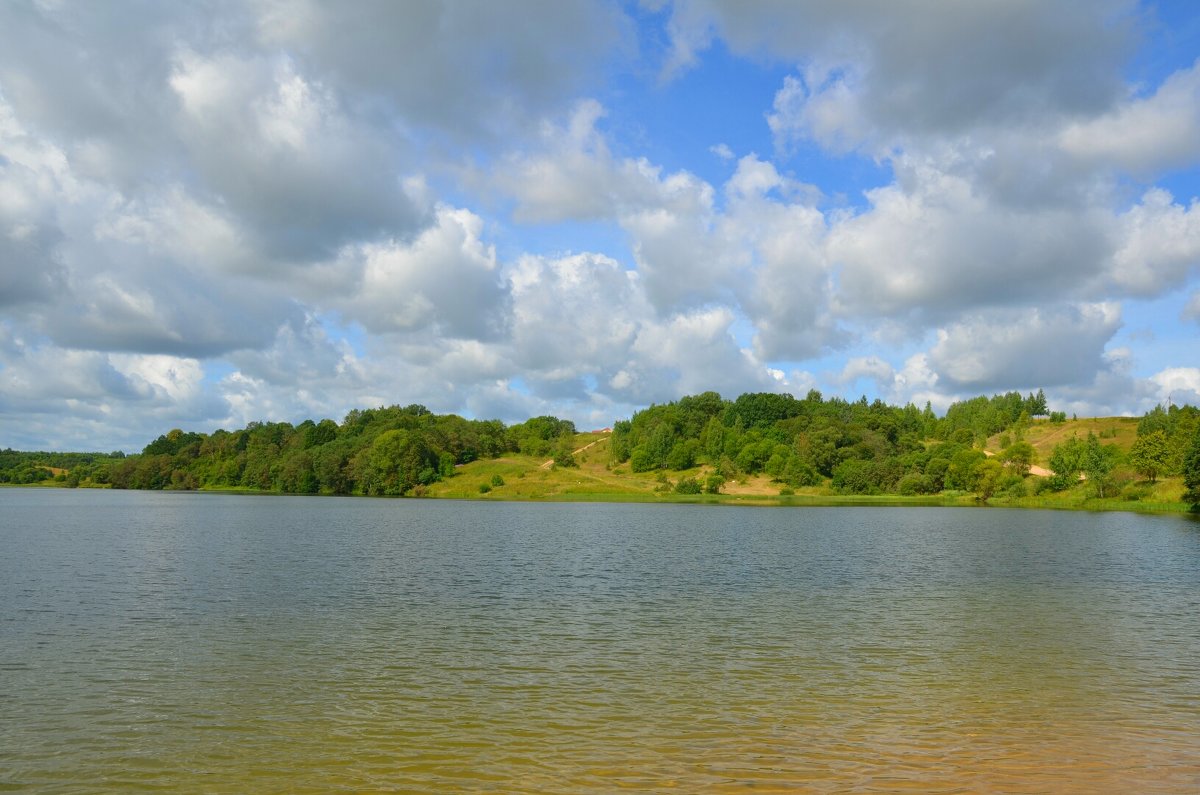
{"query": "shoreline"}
(1088, 505)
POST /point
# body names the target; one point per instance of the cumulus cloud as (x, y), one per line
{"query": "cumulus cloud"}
(570, 334)
(1178, 385)
(465, 68)
(120, 400)
(873, 71)
(575, 315)
(937, 247)
(277, 151)
(573, 175)
(1025, 348)
(224, 211)
(1159, 245)
(870, 367)
(687, 354)
(1143, 135)
(445, 279)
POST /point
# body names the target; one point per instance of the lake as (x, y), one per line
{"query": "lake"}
(230, 644)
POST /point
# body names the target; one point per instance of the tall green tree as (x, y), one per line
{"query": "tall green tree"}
(1066, 461)
(1191, 472)
(1097, 463)
(1150, 454)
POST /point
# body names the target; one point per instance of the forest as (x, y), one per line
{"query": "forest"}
(979, 446)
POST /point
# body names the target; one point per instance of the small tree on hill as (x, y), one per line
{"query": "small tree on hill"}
(1019, 457)
(563, 456)
(1150, 454)
(1066, 461)
(1097, 463)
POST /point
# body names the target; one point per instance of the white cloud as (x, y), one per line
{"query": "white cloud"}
(873, 72)
(1160, 245)
(870, 367)
(447, 278)
(278, 209)
(1143, 134)
(1026, 348)
(277, 150)
(467, 69)
(687, 354)
(722, 151)
(575, 315)
(936, 247)
(573, 175)
(1179, 385)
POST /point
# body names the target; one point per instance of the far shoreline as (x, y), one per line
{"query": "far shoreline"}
(1090, 505)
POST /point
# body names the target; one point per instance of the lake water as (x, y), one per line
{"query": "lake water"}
(230, 644)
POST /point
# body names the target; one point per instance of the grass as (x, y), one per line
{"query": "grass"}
(1045, 435)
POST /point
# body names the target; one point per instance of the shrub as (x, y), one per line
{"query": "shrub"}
(687, 486)
(1136, 491)
(484, 488)
(712, 484)
(497, 480)
(1039, 486)
(1015, 489)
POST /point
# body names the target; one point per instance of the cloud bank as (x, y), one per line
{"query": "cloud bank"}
(225, 212)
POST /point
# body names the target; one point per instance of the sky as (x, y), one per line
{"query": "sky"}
(213, 213)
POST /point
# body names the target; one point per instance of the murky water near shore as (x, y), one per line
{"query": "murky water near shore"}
(229, 644)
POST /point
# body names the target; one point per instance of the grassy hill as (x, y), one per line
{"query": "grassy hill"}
(595, 478)
(1044, 435)
(520, 477)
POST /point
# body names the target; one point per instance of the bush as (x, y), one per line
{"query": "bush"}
(687, 486)
(484, 488)
(786, 491)
(497, 480)
(712, 484)
(855, 476)
(642, 460)
(1136, 491)
(1039, 486)
(1015, 489)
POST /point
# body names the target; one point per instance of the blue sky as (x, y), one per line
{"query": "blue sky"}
(219, 212)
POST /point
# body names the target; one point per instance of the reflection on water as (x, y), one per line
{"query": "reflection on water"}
(233, 644)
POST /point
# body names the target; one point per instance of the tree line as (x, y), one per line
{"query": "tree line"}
(874, 448)
(851, 447)
(385, 451)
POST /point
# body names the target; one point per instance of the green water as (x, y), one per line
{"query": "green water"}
(229, 644)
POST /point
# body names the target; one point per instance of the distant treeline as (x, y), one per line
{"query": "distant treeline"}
(873, 448)
(67, 468)
(384, 451)
(857, 447)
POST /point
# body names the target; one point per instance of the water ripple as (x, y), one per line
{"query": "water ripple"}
(157, 642)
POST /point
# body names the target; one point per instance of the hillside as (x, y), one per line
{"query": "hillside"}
(1044, 435)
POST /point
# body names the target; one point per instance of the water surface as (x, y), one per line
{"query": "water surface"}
(226, 644)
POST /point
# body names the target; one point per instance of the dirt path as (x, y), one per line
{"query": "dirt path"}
(550, 463)
(1033, 470)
